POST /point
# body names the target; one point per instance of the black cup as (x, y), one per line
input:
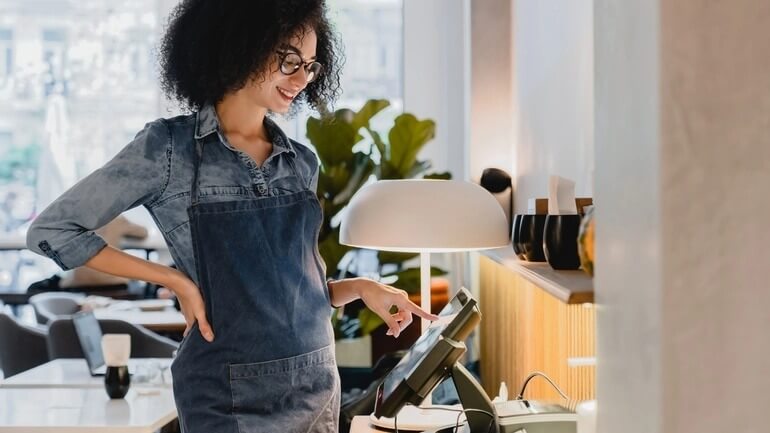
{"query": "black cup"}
(117, 381)
(517, 248)
(561, 241)
(531, 237)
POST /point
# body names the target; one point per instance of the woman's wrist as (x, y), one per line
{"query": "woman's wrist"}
(343, 291)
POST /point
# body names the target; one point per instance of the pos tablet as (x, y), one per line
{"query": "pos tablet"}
(432, 359)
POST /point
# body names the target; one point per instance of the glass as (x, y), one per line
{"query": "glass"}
(152, 372)
(291, 62)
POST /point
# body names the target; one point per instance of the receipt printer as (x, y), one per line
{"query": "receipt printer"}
(529, 416)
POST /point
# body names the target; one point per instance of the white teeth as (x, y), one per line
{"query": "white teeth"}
(287, 94)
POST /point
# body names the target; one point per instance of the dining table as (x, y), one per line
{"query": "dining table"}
(61, 396)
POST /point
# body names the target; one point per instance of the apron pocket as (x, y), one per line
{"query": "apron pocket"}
(297, 394)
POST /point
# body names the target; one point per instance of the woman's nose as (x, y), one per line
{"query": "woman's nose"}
(299, 78)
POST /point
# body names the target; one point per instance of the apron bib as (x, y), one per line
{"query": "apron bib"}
(271, 367)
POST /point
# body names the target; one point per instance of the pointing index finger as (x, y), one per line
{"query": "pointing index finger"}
(414, 308)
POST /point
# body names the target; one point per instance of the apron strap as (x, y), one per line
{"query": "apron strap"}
(195, 187)
(296, 173)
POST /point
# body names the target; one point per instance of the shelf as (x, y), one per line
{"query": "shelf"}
(572, 287)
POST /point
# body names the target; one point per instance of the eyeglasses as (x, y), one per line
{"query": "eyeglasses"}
(291, 62)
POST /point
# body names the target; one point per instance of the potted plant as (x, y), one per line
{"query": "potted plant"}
(344, 170)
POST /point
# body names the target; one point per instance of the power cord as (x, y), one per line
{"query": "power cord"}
(544, 376)
(460, 413)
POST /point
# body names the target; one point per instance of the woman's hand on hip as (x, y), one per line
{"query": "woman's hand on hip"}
(380, 298)
(193, 307)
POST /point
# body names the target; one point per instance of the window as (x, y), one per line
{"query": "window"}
(86, 81)
(78, 86)
(6, 54)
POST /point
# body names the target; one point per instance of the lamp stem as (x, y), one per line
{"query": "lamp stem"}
(425, 305)
(424, 287)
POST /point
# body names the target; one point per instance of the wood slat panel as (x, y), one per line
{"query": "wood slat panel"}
(525, 329)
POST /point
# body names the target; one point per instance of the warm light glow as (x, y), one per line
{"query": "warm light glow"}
(424, 216)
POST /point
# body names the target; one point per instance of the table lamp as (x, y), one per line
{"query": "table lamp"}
(424, 216)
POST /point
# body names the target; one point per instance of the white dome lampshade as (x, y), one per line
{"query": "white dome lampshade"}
(418, 215)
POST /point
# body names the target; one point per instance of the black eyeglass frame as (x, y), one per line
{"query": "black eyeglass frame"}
(282, 55)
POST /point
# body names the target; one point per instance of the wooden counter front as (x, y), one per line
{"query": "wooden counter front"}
(526, 329)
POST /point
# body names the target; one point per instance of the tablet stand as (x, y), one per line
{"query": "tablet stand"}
(473, 396)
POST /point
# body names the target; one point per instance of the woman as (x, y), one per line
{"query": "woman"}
(235, 200)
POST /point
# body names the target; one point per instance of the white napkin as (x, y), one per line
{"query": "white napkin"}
(531, 206)
(116, 349)
(561, 196)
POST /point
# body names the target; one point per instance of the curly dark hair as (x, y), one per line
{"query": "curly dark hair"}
(213, 47)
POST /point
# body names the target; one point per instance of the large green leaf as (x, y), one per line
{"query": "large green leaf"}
(384, 257)
(406, 138)
(440, 176)
(418, 168)
(333, 138)
(386, 171)
(369, 110)
(379, 143)
(334, 179)
(361, 168)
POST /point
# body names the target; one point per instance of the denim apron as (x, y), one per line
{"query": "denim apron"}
(271, 366)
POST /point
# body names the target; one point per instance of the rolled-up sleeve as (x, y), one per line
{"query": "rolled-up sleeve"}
(137, 175)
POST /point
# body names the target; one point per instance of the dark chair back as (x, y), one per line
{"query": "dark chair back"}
(63, 340)
(21, 347)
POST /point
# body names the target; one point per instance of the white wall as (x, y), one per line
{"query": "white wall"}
(553, 96)
(436, 77)
(683, 158)
(628, 265)
(491, 135)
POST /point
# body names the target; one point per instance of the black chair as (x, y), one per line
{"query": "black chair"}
(21, 347)
(63, 340)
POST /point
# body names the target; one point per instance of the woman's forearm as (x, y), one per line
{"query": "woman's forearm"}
(116, 262)
(344, 291)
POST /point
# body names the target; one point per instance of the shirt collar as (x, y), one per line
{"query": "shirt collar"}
(207, 122)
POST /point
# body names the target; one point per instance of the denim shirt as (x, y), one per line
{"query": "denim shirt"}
(155, 170)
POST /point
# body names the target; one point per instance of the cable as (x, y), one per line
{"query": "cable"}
(543, 375)
(395, 418)
(460, 413)
(490, 415)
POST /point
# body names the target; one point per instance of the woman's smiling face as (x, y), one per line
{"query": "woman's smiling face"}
(276, 90)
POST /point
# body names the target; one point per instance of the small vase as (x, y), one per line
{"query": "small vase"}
(117, 381)
(531, 237)
(517, 248)
(561, 241)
